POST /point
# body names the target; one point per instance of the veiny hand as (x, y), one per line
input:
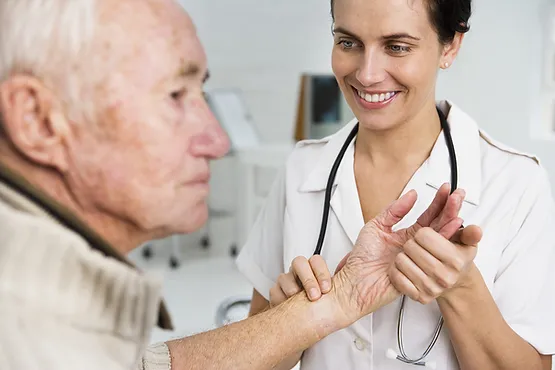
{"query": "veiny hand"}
(431, 265)
(362, 280)
(311, 275)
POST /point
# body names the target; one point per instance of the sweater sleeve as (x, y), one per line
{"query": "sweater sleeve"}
(156, 357)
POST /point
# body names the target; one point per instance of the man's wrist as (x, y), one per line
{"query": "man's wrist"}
(343, 297)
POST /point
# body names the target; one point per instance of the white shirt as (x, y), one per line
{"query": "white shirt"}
(507, 194)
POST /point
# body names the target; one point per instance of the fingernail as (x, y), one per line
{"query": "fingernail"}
(325, 285)
(313, 293)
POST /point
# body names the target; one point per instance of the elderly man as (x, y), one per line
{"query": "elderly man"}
(105, 143)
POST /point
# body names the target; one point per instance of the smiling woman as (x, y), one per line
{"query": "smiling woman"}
(386, 57)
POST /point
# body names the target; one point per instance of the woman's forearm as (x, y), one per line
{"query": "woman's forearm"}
(479, 334)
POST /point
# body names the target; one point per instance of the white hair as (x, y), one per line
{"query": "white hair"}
(46, 39)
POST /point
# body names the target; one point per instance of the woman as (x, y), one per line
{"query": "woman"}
(498, 304)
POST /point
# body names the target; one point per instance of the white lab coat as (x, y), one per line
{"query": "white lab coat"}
(507, 194)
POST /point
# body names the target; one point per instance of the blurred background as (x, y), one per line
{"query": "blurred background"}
(270, 84)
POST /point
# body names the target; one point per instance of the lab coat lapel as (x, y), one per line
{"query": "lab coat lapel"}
(345, 201)
(466, 141)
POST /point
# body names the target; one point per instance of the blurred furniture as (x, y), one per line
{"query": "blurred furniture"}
(321, 107)
(233, 309)
(175, 252)
(205, 242)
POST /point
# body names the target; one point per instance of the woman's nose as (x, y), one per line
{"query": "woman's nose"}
(371, 70)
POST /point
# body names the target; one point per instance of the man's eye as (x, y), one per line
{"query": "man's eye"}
(178, 94)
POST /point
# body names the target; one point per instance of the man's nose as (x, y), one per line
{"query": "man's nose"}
(211, 141)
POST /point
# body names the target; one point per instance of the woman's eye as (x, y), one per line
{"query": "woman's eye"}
(346, 44)
(397, 49)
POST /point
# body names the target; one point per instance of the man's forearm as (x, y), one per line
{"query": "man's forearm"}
(479, 334)
(262, 341)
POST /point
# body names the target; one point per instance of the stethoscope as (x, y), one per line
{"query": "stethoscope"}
(402, 356)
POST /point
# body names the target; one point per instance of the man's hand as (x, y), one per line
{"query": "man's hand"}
(432, 266)
(362, 283)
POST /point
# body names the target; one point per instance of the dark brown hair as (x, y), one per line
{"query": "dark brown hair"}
(447, 17)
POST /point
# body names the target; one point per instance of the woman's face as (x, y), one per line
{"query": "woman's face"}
(385, 57)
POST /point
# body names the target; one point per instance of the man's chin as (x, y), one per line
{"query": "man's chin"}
(193, 220)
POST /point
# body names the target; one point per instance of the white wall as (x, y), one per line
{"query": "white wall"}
(262, 46)
(497, 77)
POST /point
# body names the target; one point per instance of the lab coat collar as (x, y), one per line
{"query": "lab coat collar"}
(317, 179)
(466, 140)
(344, 201)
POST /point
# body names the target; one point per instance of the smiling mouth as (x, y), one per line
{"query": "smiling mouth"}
(381, 97)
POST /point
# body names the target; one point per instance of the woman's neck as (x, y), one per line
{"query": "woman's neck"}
(406, 145)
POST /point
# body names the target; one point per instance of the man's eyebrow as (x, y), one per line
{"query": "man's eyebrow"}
(190, 70)
(184, 72)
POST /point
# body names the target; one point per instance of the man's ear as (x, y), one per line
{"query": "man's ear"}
(34, 121)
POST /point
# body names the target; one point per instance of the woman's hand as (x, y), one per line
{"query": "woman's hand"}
(431, 266)
(376, 249)
(312, 275)
(362, 278)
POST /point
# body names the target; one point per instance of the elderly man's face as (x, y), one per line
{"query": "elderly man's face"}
(146, 158)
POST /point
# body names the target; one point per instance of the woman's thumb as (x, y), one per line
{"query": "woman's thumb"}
(470, 235)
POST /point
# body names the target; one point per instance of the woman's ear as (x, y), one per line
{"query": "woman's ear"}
(450, 51)
(33, 121)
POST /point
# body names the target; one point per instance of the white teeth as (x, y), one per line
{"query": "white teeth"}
(375, 98)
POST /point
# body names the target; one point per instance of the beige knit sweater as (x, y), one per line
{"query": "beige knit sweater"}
(68, 301)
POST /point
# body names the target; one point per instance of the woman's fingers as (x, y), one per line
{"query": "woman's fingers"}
(313, 275)
(288, 284)
(277, 296)
(402, 283)
(447, 252)
(428, 288)
(470, 236)
(321, 272)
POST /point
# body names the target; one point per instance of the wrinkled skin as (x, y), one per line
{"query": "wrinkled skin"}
(366, 267)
